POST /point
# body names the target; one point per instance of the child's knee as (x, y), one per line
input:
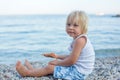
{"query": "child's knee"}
(50, 67)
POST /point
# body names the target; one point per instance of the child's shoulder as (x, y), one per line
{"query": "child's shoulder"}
(81, 36)
(80, 41)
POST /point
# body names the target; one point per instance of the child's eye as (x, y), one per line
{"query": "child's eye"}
(68, 24)
(76, 25)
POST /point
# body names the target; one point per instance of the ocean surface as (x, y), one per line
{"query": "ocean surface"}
(28, 36)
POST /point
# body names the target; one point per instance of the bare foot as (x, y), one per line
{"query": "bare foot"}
(22, 70)
(28, 65)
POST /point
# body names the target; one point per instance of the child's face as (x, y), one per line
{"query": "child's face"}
(73, 29)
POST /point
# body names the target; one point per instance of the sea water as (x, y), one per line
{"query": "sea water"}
(28, 36)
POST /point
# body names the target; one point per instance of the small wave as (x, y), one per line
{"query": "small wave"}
(16, 25)
(20, 32)
(107, 52)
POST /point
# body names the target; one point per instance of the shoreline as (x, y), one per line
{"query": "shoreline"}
(107, 68)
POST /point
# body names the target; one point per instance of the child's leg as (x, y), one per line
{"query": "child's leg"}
(28, 65)
(23, 71)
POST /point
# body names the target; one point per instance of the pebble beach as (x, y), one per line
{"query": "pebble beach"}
(107, 68)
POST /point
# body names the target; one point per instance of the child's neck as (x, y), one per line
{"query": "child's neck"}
(77, 36)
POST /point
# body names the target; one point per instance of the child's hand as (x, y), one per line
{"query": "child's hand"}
(54, 62)
(52, 55)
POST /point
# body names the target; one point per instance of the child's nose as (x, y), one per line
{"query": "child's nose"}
(71, 26)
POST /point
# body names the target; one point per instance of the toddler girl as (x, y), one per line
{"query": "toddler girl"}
(75, 66)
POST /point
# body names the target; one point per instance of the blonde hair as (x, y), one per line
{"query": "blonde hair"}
(80, 18)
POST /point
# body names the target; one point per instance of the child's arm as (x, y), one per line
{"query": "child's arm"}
(73, 57)
(53, 55)
(62, 56)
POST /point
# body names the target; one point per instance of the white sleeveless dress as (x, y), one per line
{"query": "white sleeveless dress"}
(85, 62)
(81, 68)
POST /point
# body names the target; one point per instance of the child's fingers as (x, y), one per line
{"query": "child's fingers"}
(53, 55)
(46, 54)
